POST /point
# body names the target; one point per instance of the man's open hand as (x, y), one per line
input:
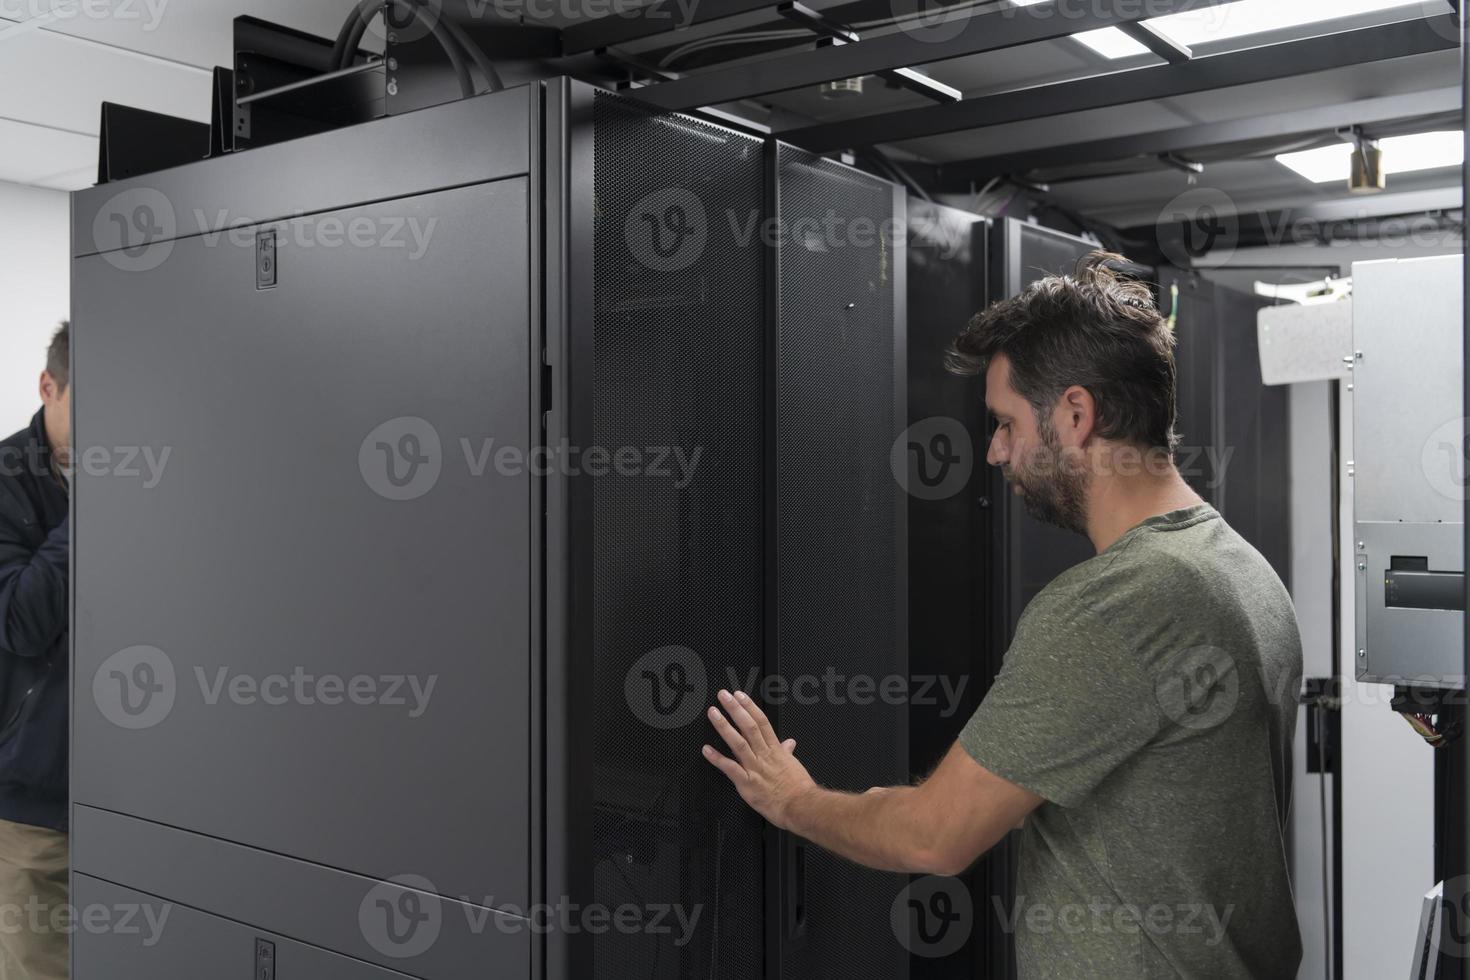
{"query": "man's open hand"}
(764, 769)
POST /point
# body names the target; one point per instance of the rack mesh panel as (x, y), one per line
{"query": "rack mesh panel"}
(678, 341)
(841, 598)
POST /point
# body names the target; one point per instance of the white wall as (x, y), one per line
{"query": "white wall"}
(1387, 793)
(35, 292)
(1312, 527)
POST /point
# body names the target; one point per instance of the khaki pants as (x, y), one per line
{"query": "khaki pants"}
(34, 918)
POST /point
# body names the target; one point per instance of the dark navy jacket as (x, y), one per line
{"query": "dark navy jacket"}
(35, 541)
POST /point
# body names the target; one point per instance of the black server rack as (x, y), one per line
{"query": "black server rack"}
(501, 434)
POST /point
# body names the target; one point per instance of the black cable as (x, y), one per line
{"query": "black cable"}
(476, 53)
(1321, 735)
(344, 52)
(364, 15)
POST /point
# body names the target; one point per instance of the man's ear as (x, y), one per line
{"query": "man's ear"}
(45, 386)
(1076, 416)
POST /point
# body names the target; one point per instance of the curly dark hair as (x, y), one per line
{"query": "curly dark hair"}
(1097, 328)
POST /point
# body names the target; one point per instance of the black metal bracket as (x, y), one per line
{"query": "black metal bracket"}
(1180, 163)
(636, 71)
(135, 142)
(1320, 696)
(835, 33)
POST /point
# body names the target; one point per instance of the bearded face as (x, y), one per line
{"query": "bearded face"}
(1050, 483)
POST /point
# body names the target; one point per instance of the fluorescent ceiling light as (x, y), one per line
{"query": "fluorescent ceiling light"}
(1107, 41)
(1111, 43)
(1401, 154)
(1224, 22)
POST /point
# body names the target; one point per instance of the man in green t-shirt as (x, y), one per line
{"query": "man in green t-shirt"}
(1140, 730)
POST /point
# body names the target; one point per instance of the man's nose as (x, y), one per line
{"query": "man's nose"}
(998, 453)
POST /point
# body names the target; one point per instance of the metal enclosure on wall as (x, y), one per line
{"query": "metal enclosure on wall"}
(335, 505)
(1408, 471)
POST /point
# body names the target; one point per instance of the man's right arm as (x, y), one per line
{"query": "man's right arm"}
(33, 588)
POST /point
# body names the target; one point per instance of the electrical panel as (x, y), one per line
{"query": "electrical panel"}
(1409, 472)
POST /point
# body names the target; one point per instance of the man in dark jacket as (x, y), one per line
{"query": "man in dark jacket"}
(35, 542)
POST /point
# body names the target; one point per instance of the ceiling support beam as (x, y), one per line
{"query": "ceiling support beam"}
(1285, 126)
(992, 30)
(650, 20)
(1165, 47)
(1260, 64)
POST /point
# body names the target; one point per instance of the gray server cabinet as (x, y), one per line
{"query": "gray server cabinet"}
(357, 673)
(303, 657)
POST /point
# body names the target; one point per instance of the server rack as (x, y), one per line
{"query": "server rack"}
(333, 508)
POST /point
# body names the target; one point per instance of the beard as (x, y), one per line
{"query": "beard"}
(1058, 497)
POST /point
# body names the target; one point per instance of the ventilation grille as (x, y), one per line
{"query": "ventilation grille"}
(840, 567)
(678, 341)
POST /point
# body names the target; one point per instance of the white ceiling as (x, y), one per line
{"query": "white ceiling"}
(61, 59)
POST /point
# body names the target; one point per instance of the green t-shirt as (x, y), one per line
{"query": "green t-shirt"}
(1150, 698)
